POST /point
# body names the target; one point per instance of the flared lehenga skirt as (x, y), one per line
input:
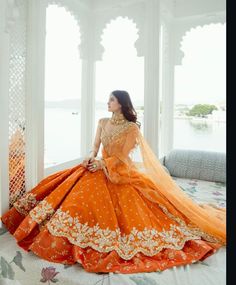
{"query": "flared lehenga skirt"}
(78, 216)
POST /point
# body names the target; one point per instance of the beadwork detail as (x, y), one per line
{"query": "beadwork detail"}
(41, 212)
(147, 241)
(117, 119)
(193, 230)
(107, 138)
(27, 202)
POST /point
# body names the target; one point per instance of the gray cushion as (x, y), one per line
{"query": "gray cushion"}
(196, 164)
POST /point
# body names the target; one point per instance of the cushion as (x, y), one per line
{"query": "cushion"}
(196, 164)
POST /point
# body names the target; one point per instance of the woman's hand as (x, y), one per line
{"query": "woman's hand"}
(94, 165)
(87, 160)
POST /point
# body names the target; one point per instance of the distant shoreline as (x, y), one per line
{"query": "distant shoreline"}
(76, 111)
(200, 119)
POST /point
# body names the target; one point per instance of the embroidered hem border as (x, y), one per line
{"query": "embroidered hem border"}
(117, 249)
(126, 247)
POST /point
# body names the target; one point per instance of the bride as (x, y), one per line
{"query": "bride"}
(116, 214)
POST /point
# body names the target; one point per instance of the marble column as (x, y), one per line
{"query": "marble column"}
(88, 88)
(35, 62)
(151, 80)
(168, 66)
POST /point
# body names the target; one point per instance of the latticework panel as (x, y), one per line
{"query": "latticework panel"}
(17, 105)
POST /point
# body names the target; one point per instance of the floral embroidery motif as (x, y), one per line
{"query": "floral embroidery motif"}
(26, 203)
(147, 241)
(42, 212)
(194, 231)
(107, 138)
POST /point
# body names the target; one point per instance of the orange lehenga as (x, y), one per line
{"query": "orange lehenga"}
(126, 217)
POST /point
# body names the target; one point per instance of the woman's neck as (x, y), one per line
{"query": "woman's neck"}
(118, 118)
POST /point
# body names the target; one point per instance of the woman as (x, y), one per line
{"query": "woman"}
(116, 214)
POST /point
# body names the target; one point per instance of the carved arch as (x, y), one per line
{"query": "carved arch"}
(136, 44)
(204, 21)
(135, 13)
(72, 8)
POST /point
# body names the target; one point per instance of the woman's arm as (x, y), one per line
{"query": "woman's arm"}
(97, 141)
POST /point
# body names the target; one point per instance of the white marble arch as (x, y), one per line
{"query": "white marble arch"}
(78, 11)
(185, 24)
(133, 13)
(174, 30)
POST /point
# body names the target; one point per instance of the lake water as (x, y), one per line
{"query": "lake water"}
(201, 135)
(62, 135)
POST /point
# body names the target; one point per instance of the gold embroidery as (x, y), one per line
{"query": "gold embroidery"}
(41, 212)
(107, 138)
(147, 241)
(26, 203)
(193, 230)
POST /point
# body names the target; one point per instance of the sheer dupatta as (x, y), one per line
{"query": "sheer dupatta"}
(128, 158)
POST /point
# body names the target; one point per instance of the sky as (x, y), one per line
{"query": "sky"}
(200, 79)
(202, 75)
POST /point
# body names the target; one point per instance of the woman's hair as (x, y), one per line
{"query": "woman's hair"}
(126, 106)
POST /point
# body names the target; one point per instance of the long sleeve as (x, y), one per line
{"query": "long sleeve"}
(117, 166)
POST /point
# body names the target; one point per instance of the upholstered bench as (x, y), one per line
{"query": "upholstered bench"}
(201, 174)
